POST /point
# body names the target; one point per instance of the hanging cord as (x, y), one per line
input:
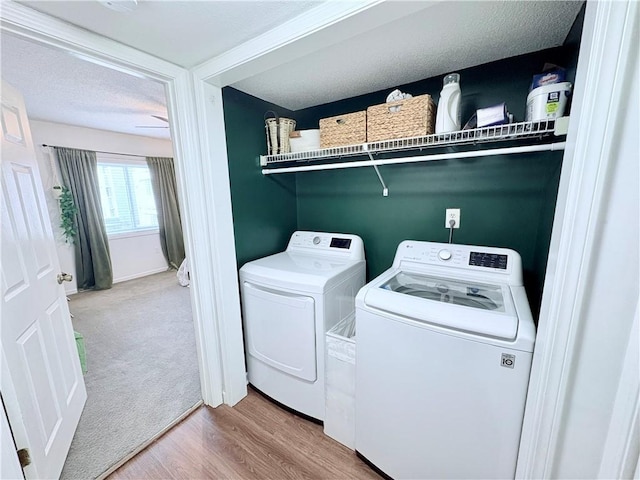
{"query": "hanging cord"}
(451, 224)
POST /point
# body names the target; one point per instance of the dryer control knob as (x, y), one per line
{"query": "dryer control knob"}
(316, 240)
(444, 254)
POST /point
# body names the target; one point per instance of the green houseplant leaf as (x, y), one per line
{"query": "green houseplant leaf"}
(68, 212)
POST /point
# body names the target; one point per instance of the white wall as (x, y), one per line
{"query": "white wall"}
(131, 256)
(136, 255)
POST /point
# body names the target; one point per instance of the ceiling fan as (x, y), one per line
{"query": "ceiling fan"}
(164, 119)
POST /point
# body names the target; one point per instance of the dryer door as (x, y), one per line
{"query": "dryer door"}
(280, 329)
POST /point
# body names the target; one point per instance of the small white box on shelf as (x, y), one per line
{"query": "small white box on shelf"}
(304, 140)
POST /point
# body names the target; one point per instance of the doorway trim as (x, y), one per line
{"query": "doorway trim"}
(202, 240)
(605, 66)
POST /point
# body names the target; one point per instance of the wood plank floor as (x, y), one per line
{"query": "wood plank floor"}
(253, 440)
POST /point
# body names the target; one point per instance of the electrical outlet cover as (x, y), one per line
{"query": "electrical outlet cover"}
(452, 214)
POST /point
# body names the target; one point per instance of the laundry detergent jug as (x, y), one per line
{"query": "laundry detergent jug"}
(448, 113)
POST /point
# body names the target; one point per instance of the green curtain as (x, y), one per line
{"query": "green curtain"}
(163, 182)
(79, 169)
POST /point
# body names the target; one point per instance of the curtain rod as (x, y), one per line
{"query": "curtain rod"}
(99, 151)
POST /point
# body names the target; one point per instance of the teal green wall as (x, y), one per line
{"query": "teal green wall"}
(264, 208)
(505, 201)
(482, 86)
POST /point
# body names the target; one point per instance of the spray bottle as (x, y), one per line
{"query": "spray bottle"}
(448, 114)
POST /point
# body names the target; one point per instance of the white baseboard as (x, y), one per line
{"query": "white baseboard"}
(140, 274)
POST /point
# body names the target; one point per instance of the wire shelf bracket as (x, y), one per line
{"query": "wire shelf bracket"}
(385, 190)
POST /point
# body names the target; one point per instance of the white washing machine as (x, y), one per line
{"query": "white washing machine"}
(443, 354)
(289, 301)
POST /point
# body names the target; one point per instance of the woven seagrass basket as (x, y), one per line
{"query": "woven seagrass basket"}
(278, 130)
(410, 117)
(348, 129)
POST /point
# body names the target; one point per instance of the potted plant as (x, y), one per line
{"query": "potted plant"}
(68, 212)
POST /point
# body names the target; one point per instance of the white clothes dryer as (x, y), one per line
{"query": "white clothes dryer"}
(289, 301)
(443, 354)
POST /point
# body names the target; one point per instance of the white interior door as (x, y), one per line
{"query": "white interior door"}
(9, 464)
(41, 382)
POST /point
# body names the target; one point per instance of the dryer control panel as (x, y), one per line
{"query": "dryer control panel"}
(342, 245)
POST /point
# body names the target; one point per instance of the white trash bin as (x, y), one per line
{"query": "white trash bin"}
(340, 382)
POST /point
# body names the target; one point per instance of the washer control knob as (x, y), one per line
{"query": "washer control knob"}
(444, 254)
(316, 240)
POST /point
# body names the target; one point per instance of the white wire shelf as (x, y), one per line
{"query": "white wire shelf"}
(512, 131)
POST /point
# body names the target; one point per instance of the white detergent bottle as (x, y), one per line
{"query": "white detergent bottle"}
(448, 114)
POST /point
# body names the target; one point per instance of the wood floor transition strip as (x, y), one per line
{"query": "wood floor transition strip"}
(144, 445)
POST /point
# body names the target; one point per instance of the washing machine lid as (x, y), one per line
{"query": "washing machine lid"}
(460, 304)
(457, 292)
(299, 272)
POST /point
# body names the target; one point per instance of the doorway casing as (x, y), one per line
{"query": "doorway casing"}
(198, 181)
(195, 109)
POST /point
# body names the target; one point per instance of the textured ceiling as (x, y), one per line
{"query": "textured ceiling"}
(182, 32)
(58, 87)
(422, 40)
(440, 38)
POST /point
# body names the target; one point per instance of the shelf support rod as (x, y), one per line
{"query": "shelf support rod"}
(549, 147)
(385, 190)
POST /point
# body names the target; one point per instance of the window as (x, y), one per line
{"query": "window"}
(126, 195)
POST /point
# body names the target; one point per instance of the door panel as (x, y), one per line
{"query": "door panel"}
(14, 273)
(41, 390)
(38, 345)
(66, 352)
(25, 179)
(280, 329)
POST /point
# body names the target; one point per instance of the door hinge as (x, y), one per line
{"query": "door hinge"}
(24, 457)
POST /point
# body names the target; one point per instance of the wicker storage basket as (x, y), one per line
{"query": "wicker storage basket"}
(278, 130)
(411, 117)
(348, 129)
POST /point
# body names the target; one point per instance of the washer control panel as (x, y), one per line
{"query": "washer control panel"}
(468, 258)
(490, 260)
(322, 243)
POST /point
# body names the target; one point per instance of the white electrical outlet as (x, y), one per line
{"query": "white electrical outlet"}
(453, 214)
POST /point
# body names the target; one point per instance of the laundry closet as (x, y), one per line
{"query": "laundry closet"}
(506, 200)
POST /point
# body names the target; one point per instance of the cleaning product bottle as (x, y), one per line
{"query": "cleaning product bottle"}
(448, 114)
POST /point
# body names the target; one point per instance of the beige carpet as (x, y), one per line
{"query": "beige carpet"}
(142, 370)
